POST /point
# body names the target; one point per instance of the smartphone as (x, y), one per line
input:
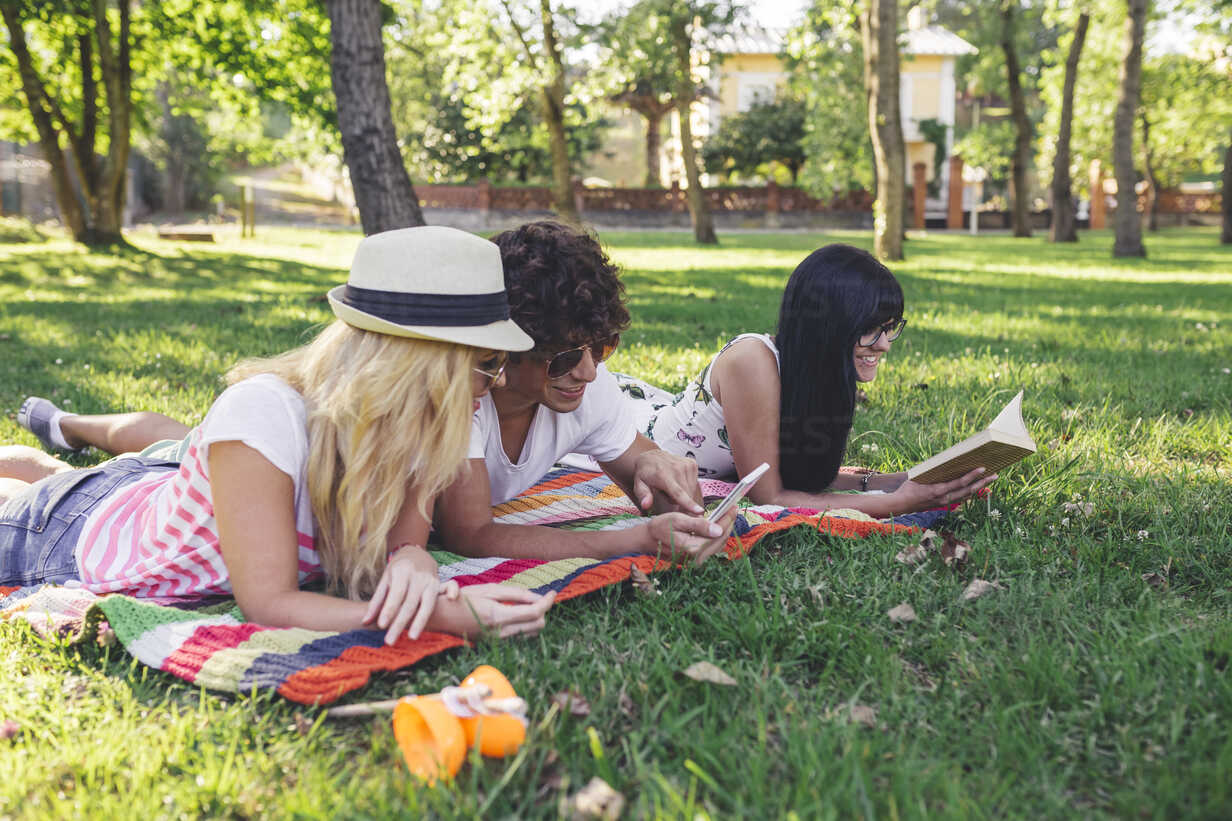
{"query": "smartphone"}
(737, 493)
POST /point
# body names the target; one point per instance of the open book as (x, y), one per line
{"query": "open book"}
(1002, 443)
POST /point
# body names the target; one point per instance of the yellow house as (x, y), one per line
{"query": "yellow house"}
(751, 68)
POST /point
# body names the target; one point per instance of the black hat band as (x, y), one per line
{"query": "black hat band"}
(435, 310)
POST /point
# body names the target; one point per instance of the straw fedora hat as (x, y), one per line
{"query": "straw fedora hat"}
(430, 282)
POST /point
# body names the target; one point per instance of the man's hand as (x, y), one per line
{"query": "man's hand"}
(687, 539)
(665, 483)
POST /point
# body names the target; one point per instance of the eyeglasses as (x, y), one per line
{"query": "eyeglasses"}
(892, 330)
(492, 369)
(565, 361)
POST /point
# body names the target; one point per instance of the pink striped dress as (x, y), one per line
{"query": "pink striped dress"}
(157, 537)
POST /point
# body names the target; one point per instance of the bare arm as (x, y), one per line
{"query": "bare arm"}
(746, 381)
(254, 507)
(464, 520)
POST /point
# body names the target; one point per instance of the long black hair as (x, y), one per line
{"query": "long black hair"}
(837, 293)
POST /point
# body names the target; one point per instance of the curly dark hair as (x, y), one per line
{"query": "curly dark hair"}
(563, 289)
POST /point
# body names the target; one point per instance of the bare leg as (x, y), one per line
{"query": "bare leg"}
(121, 432)
(27, 465)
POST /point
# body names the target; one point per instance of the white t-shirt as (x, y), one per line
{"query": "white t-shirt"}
(602, 427)
(157, 537)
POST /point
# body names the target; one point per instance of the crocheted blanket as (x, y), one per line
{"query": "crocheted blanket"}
(210, 644)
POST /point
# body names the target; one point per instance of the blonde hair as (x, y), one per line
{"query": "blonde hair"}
(385, 414)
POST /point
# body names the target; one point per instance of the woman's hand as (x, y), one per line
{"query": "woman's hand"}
(913, 496)
(688, 539)
(507, 610)
(407, 593)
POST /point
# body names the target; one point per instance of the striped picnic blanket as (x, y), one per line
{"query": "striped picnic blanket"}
(210, 644)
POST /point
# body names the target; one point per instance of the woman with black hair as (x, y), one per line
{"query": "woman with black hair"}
(789, 399)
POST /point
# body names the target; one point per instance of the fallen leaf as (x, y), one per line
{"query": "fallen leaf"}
(861, 396)
(302, 725)
(954, 552)
(9, 728)
(596, 800)
(572, 702)
(705, 671)
(917, 553)
(626, 704)
(863, 714)
(1155, 580)
(642, 583)
(920, 673)
(903, 614)
(920, 386)
(979, 587)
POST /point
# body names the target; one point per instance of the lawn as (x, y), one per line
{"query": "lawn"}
(1093, 683)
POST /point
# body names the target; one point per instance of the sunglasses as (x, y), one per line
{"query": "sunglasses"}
(565, 361)
(492, 368)
(892, 330)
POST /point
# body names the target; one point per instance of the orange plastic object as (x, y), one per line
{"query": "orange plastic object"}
(430, 737)
(498, 735)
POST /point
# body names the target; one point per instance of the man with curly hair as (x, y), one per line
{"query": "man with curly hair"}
(554, 400)
(559, 399)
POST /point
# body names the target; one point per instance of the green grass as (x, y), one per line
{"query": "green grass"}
(1077, 690)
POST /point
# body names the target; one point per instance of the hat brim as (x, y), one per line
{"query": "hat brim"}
(504, 335)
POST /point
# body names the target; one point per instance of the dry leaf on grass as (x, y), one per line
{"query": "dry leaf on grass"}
(596, 800)
(863, 714)
(979, 587)
(642, 583)
(902, 614)
(626, 704)
(954, 551)
(705, 671)
(1155, 580)
(9, 728)
(917, 553)
(303, 725)
(571, 702)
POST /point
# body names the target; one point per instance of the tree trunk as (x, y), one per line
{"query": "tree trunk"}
(553, 98)
(94, 217)
(1128, 226)
(1225, 236)
(1020, 208)
(879, 27)
(654, 137)
(1064, 226)
(699, 210)
(1151, 214)
(383, 191)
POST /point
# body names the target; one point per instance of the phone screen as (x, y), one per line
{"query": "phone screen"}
(737, 493)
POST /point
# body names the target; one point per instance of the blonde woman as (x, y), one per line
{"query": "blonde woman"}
(322, 463)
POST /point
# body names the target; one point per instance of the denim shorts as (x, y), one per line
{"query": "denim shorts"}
(39, 528)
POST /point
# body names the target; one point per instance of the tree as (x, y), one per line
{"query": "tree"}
(551, 69)
(79, 46)
(770, 131)
(1020, 208)
(1064, 227)
(1225, 236)
(642, 66)
(879, 26)
(686, 19)
(826, 58)
(1128, 241)
(1182, 117)
(383, 191)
